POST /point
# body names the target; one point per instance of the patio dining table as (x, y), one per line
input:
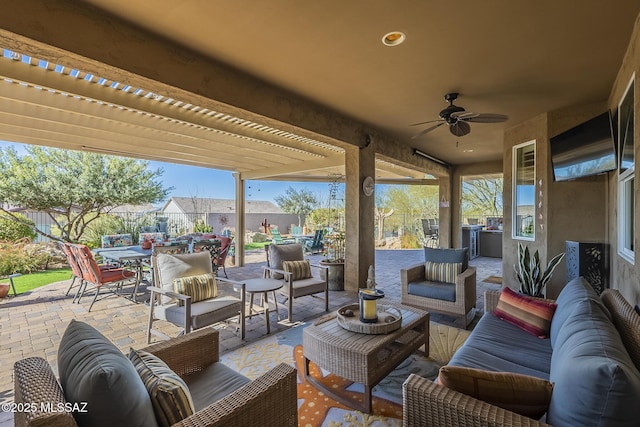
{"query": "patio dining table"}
(132, 255)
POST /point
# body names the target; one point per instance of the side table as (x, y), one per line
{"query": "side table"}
(263, 286)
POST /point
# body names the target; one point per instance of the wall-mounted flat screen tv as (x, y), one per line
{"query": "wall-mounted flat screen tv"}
(587, 149)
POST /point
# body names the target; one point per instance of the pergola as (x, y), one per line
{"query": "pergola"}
(61, 99)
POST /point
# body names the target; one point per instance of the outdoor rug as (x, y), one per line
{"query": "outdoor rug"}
(316, 409)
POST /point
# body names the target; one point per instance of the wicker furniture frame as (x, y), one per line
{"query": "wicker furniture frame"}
(463, 305)
(268, 400)
(362, 358)
(427, 403)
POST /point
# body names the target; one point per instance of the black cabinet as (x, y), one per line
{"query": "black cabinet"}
(589, 260)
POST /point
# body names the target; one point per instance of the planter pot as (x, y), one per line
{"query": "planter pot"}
(4, 289)
(336, 275)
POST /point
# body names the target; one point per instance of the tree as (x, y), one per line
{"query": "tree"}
(11, 230)
(73, 187)
(482, 196)
(297, 202)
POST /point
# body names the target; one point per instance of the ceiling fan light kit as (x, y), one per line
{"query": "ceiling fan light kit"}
(457, 118)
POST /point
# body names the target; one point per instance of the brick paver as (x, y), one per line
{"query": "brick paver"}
(32, 324)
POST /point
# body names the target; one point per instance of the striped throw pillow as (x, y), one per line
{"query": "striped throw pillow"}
(442, 271)
(531, 314)
(169, 393)
(522, 394)
(199, 288)
(298, 269)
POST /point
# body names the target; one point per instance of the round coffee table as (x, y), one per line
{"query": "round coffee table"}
(263, 286)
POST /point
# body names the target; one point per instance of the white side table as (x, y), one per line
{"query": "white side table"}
(263, 286)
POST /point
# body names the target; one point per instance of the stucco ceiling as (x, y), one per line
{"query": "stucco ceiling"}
(516, 58)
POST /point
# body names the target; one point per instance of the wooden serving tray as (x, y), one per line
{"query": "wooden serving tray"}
(354, 324)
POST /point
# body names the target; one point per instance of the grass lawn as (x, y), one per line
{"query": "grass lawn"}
(27, 282)
(250, 246)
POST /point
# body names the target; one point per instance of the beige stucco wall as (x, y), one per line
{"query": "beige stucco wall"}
(624, 275)
(573, 210)
(534, 129)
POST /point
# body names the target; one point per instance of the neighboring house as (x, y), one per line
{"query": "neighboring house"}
(221, 213)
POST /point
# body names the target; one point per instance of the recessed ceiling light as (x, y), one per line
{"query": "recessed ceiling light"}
(393, 38)
(468, 150)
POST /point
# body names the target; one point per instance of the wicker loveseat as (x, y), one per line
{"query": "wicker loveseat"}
(220, 396)
(592, 358)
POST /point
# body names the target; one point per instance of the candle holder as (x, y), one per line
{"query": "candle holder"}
(368, 308)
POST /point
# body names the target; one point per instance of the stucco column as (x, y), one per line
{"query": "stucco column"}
(359, 216)
(445, 203)
(239, 242)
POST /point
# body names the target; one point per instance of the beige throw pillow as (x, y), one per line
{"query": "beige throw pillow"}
(522, 394)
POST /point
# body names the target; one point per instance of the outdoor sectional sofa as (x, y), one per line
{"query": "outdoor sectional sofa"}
(592, 358)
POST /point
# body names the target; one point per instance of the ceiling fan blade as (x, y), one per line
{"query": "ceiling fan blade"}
(460, 128)
(429, 129)
(464, 115)
(486, 118)
(424, 123)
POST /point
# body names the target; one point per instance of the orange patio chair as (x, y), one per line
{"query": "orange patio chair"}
(93, 274)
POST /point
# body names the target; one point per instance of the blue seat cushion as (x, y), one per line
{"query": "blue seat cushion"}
(596, 382)
(436, 290)
(213, 383)
(491, 347)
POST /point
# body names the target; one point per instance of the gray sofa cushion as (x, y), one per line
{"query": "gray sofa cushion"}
(93, 370)
(596, 383)
(491, 347)
(574, 291)
(436, 290)
(213, 383)
(448, 255)
(279, 253)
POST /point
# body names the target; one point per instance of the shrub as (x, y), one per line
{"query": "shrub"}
(14, 258)
(11, 230)
(199, 226)
(409, 241)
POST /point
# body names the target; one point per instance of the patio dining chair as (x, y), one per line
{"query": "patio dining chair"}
(113, 278)
(76, 271)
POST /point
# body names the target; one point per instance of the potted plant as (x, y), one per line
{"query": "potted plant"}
(334, 261)
(532, 279)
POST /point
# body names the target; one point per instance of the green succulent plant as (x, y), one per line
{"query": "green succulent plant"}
(532, 279)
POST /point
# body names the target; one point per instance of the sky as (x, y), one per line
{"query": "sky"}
(192, 181)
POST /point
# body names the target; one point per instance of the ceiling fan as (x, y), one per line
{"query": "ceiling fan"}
(457, 118)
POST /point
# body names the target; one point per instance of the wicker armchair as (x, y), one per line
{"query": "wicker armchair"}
(268, 400)
(463, 303)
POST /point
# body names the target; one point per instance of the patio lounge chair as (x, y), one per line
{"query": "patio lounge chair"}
(200, 303)
(276, 237)
(294, 287)
(220, 395)
(314, 245)
(432, 286)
